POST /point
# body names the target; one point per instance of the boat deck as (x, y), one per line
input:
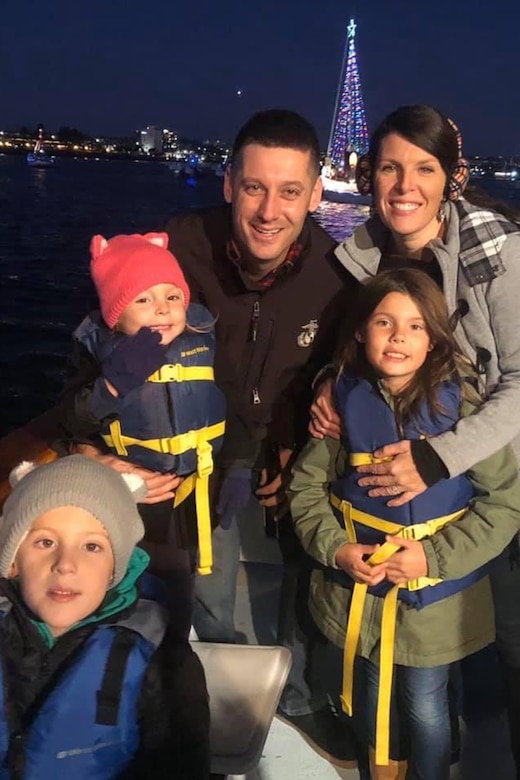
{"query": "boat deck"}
(286, 756)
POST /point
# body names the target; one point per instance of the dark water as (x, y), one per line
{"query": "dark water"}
(47, 218)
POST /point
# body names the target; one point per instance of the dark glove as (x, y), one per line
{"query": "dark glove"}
(133, 360)
(234, 495)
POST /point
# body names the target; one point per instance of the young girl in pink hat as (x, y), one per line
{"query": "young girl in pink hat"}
(144, 398)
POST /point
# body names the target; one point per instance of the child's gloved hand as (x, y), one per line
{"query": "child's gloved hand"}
(234, 495)
(133, 360)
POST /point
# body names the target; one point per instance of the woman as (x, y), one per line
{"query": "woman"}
(471, 247)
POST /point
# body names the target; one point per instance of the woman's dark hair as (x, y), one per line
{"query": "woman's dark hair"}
(442, 362)
(428, 128)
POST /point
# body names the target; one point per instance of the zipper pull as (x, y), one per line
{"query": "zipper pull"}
(255, 320)
(256, 396)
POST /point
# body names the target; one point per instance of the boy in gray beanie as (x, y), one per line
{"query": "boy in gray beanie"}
(96, 683)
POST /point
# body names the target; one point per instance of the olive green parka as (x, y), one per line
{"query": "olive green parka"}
(443, 632)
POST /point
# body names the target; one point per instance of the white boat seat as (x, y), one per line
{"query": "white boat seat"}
(245, 683)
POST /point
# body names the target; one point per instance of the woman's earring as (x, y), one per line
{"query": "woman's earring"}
(441, 214)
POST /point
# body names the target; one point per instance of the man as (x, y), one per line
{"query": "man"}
(267, 272)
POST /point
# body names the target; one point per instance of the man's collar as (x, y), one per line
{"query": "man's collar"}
(271, 276)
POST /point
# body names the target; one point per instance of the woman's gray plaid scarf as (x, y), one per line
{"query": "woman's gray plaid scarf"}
(482, 234)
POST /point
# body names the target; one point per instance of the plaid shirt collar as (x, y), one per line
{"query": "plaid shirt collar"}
(482, 233)
(279, 272)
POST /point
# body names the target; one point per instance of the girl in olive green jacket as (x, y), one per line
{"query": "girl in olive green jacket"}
(402, 589)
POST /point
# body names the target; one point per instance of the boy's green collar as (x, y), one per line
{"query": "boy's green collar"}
(118, 598)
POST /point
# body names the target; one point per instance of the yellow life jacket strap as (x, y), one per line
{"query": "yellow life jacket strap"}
(201, 487)
(389, 616)
(169, 445)
(357, 605)
(416, 532)
(386, 673)
(366, 459)
(386, 664)
(175, 372)
(199, 481)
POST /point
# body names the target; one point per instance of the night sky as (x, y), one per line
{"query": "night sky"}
(110, 68)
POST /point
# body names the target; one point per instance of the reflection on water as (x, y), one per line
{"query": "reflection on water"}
(341, 219)
(39, 177)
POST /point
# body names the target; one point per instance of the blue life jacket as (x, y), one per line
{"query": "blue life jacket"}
(87, 726)
(152, 418)
(370, 424)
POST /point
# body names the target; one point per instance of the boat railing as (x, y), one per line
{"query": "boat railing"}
(33, 441)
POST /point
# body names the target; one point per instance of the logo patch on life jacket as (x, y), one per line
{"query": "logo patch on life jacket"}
(194, 351)
(82, 751)
(306, 337)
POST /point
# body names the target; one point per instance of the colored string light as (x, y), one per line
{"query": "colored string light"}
(349, 129)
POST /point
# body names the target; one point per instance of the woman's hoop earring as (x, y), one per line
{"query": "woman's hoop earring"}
(441, 214)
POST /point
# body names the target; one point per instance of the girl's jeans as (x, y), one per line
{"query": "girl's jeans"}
(419, 715)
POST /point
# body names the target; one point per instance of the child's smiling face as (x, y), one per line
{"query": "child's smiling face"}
(160, 308)
(64, 566)
(396, 340)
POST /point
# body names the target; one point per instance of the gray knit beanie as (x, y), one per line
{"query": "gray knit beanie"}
(73, 481)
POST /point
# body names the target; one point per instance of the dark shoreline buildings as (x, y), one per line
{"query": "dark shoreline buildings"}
(151, 143)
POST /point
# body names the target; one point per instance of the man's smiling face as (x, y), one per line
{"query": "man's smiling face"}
(271, 190)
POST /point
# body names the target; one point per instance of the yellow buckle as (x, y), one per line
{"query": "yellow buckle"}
(177, 444)
(165, 446)
(366, 459)
(170, 372)
(176, 372)
(420, 531)
(204, 459)
(117, 438)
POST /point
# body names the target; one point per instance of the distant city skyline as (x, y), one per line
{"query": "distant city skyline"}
(172, 144)
(202, 69)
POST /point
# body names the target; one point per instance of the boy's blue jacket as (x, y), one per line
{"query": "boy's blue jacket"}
(110, 698)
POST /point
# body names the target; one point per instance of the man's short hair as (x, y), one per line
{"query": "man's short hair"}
(278, 127)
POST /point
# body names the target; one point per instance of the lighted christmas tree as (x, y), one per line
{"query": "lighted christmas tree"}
(349, 129)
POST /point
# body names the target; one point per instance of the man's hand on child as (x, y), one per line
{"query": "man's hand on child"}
(325, 420)
(407, 564)
(160, 487)
(351, 558)
(274, 493)
(397, 478)
(133, 360)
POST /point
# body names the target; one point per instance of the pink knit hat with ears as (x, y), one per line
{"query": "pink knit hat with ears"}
(124, 266)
